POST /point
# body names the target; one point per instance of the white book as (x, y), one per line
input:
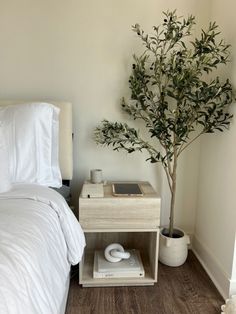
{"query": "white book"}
(129, 268)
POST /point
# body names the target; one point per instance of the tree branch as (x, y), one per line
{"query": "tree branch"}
(182, 148)
(168, 178)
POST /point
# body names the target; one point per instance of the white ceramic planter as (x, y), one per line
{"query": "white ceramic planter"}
(173, 251)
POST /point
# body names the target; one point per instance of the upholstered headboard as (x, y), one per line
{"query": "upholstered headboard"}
(65, 134)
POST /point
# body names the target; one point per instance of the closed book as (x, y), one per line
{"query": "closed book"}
(132, 267)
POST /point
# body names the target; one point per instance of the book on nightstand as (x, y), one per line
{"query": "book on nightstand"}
(128, 268)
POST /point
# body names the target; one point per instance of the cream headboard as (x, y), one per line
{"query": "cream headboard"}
(65, 134)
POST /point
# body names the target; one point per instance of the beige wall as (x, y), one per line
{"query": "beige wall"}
(80, 51)
(216, 210)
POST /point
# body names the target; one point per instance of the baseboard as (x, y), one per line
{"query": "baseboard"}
(232, 287)
(191, 240)
(212, 267)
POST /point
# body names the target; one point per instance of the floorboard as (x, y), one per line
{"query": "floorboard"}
(181, 290)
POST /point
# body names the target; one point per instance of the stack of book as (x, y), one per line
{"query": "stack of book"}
(128, 268)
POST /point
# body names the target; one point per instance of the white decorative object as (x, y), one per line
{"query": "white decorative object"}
(96, 175)
(173, 251)
(230, 306)
(115, 253)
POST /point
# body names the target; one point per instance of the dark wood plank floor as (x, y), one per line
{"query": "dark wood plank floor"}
(180, 290)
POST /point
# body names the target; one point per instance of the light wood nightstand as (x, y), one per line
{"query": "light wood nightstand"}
(131, 221)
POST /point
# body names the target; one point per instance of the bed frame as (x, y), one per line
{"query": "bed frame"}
(65, 134)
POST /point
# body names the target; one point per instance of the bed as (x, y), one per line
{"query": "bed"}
(40, 238)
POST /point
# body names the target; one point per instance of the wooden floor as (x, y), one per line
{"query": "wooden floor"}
(180, 290)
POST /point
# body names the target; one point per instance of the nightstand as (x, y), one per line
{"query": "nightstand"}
(132, 221)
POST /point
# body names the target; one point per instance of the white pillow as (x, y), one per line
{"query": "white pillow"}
(33, 143)
(5, 182)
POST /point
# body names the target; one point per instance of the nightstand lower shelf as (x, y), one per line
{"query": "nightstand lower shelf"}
(146, 242)
(87, 279)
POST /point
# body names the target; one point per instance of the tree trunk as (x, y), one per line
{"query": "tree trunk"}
(172, 204)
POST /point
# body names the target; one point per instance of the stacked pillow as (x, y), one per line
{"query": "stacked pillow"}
(31, 141)
(5, 182)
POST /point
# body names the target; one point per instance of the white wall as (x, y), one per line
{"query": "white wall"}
(216, 210)
(80, 51)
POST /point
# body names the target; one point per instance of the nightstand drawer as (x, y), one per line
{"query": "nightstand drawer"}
(122, 213)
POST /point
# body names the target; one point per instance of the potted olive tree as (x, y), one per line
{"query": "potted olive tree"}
(172, 93)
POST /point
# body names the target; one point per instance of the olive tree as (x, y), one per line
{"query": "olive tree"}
(173, 94)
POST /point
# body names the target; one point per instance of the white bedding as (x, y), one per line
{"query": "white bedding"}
(39, 239)
(31, 132)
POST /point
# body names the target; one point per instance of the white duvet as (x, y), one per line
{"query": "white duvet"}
(39, 239)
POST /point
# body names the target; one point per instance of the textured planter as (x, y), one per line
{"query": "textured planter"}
(173, 251)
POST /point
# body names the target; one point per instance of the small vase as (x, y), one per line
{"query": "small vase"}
(173, 251)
